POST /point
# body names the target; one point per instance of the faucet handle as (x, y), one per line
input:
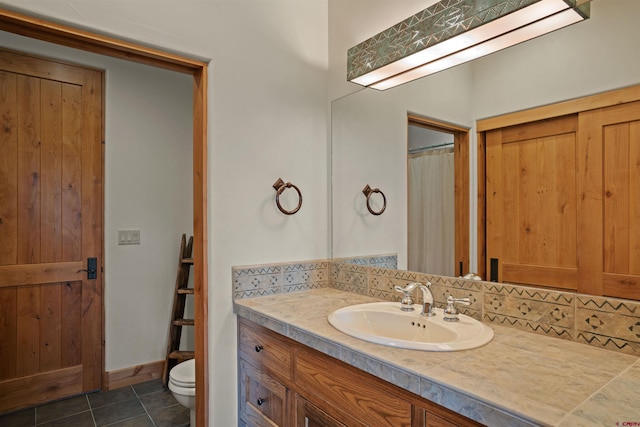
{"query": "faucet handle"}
(463, 301)
(451, 313)
(398, 289)
(409, 288)
(407, 301)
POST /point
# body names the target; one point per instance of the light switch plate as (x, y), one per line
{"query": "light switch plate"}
(128, 237)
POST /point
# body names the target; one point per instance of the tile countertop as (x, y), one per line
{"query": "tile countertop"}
(519, 378)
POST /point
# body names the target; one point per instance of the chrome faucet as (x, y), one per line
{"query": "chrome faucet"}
(427, 298)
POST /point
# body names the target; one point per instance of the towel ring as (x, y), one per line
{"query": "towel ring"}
(280, 186)
(368, 192)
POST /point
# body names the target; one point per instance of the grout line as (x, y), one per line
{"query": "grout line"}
(86, 396)
(127, 419)
(144, 407)
(593, 395)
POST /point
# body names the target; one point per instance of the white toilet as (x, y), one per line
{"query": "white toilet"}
(182, 383)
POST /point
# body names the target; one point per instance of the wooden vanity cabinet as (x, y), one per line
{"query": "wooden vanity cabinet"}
(284, 383)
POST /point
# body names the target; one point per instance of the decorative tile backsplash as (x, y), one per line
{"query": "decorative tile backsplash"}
(272, 279)
(609, 323)
(382, 261)
(530, 309)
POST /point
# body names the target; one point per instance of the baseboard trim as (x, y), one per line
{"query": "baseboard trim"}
(133, 375)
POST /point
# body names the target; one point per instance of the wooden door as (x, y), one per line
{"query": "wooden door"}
(531, 203)
(50, 223)
(609, 181)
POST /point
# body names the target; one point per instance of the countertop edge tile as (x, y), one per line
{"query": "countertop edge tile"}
(264, 320)
(388, 372)
(310, 340)
(470, 407)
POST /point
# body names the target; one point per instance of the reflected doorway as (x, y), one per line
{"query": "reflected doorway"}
(437, 189)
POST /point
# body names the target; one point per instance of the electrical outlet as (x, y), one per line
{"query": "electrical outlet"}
(128, 237)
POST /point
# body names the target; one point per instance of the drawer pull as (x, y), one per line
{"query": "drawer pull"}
(260, 401)
(259, 348)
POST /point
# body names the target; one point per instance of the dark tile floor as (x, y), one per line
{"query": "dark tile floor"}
(147, 404)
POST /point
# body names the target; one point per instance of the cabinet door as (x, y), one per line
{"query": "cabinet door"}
(340, 386)
(263, 400)
(609, 182)
(309, 415)
(531, 203)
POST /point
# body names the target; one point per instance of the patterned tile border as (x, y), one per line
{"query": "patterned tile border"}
(272, 279)
(349, 277)
(609, 323)
(382, 261)
(540, 311)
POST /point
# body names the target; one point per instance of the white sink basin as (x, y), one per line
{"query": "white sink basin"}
(384, 323)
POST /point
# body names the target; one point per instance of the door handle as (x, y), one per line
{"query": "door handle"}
(92, 268)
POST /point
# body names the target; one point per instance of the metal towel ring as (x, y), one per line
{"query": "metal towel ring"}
(280, 186)
(368, 192)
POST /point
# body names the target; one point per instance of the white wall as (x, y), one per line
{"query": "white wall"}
(148, 154)
(267, 119)
(597, 55)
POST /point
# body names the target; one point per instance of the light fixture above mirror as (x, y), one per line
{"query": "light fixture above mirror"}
(452, 32)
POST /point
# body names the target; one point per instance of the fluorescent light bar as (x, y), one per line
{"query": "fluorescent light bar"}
(529, 22)
(520, 35)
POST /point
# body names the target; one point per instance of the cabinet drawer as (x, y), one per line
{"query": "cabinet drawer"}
(309, 415)
(265, 349)
(263, 400)
(429, 414)
(351, 390)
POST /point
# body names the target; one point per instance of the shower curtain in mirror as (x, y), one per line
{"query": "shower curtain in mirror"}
(431, 218)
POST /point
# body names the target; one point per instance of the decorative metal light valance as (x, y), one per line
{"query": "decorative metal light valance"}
(452, 32)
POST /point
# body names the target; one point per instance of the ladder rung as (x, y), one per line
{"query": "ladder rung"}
(187, 260)
(182, 355)
(183, 322)
(185, 291)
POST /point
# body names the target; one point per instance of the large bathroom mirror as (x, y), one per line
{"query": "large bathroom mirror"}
(370, 128)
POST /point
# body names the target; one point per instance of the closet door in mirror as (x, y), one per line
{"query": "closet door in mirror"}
(531, 203)
(609, 180)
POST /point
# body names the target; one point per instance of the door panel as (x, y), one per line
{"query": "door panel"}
(50, 223)
(609, 247)
(532, 202)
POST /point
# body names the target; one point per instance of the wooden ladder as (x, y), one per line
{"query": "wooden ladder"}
(174, 354)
